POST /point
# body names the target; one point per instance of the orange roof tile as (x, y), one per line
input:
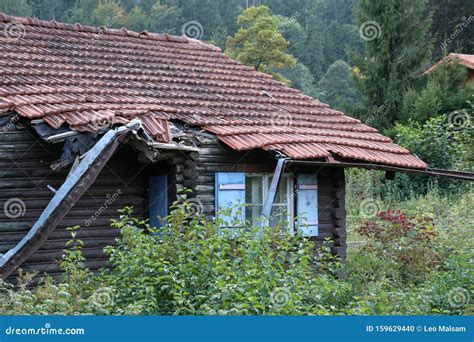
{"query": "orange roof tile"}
(92, 77)
(463, 59)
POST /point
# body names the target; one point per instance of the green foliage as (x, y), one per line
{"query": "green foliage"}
(444, 93)
(15, 7)
(397, 48)
(380, 270)
(81, 12)
(163, 18)
(403, 240)
(194, 266)
(440, 142)
(336, 87)
(258, 42)
(438, 128)
(108, 13)
(136, 20)
(300, 78)
(329, 34)
(190, 266)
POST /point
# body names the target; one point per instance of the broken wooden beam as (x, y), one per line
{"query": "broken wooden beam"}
(77, 182)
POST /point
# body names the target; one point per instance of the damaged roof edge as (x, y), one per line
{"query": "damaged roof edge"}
(77, 182)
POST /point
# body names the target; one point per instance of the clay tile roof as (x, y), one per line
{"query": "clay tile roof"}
(93, 77)
(463, 59)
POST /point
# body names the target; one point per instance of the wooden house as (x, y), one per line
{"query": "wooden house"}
(463, 59)
(94, 119)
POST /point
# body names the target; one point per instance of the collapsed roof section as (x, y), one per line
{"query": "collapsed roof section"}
(78, 181)
(90, 78)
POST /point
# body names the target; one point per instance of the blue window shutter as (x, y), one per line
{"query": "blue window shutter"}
(230, 191)
(307, 204)
(157, 199)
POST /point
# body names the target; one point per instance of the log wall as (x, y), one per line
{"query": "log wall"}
(25, 176)
(198, 174)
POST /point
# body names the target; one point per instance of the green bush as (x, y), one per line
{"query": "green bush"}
(404, 240)
(190, 266)
(442, 141)
(445, 91)
(193, 266)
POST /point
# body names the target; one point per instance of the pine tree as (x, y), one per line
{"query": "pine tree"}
(396, 53)
(336, 87)
(445, 92)
(15, 7)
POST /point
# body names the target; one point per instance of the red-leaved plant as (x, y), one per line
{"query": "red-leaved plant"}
(406, 239)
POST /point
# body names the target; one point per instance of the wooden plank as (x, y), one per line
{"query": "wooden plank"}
(270, 198)
(69, 193)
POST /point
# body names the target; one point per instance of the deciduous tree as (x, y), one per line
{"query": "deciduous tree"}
(258, 42)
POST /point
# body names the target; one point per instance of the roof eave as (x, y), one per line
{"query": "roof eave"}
(461, 175)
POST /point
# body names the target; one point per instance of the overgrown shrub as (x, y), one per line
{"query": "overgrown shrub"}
(194, 266)
(444, 91)
(404, 240)
(190, 266)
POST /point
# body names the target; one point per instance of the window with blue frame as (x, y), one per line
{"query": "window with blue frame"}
(256, 190)
(233, 189)
(157, 199)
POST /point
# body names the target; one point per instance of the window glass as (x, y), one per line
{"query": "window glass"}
(256, 187)
(254, 197)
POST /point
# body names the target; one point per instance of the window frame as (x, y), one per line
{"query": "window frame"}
(290, 194)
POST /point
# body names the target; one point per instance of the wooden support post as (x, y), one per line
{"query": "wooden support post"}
(268, 203)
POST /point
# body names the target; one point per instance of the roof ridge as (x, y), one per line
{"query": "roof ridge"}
(123, 32)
